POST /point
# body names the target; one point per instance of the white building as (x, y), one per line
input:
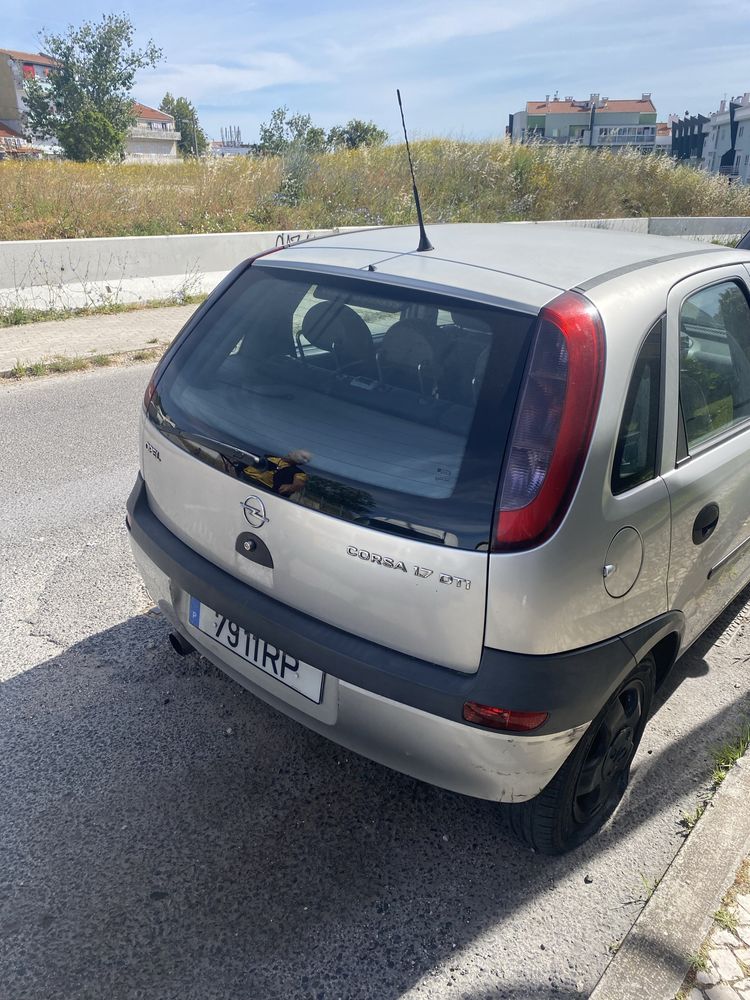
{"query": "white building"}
(663, 143)
(726, 149)
(597, 122)
(153, 138)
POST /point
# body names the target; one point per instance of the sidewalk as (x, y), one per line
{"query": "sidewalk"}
(677, 930)
(86, 335)
(725, 960)
(723, 972)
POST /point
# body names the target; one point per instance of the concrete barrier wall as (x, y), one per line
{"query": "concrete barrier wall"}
(713, 227)
(64, 274)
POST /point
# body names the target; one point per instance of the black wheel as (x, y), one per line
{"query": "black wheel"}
(586, 790)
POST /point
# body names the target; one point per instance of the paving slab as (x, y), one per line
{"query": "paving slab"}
(82, 335)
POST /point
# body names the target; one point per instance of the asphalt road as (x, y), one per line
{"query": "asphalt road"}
(165, 835)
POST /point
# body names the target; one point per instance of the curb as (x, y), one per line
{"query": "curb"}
(6, 373)
(655, 956)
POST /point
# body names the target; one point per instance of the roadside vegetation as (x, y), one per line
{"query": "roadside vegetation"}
(22, 315)
(62, 364)
(725, 757)
(459, 182)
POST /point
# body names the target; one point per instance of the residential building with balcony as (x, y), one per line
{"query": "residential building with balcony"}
(597, 122)
(663, 141)
(726, 149)
(688, 136)
(153, 137)
(15, 69)
(14, 146)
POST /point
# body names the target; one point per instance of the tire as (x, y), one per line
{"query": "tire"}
(588, 787)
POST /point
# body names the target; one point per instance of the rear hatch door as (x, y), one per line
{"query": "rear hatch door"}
(352, 430)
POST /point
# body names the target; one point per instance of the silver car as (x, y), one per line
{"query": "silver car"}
(459, 510)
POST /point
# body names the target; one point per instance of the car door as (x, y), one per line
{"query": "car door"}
(708, 335)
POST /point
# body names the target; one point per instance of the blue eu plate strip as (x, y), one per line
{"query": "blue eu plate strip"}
(195, 612)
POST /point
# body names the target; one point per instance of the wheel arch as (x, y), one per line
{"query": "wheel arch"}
(662, 638)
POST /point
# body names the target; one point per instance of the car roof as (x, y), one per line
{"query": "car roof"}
(536, 260)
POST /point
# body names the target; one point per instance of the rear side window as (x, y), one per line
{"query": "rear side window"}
(370, 402)
(714, 361)
(637, 440)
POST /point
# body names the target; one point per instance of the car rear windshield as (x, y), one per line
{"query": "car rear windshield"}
(372, 402)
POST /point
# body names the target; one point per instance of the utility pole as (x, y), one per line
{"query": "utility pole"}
(195, 136)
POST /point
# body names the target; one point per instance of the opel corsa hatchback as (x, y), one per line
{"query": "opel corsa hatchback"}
(459, 511)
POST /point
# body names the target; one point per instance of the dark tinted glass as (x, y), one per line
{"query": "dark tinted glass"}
(714, 361)
(635, 452)
(370, 402)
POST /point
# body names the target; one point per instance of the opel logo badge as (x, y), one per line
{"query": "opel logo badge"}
(255, 512)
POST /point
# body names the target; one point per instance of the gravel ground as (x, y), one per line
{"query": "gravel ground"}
(165, 835)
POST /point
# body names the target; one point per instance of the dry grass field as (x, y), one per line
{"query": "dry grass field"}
(459, 182)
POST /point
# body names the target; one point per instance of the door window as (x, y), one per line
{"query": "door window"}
(635, 452)
(714, 361)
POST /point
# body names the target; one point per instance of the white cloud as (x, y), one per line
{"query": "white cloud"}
(211, 82)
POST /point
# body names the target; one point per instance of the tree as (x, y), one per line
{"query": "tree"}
(284, 132)
(86, 102)
(193, 141)
(356, 133)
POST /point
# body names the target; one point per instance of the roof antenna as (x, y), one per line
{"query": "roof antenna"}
(424, 243)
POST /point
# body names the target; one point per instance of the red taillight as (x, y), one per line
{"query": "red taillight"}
(553, 423)
(503, 718)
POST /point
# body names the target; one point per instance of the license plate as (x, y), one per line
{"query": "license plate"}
(301, 677)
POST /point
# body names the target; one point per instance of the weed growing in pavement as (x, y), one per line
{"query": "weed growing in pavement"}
(699, 962)
(60, 365)
(689, 819)
(649, 885)
(727, 755)
(726, 919)
(21, 315)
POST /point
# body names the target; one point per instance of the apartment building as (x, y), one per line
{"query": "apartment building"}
(15, 69)
(688, 136)
(153, 137)
(726, 149)
(598, 122)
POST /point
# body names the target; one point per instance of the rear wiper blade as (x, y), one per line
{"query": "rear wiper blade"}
(227, 450)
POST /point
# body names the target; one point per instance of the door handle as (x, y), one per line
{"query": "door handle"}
(705, 522)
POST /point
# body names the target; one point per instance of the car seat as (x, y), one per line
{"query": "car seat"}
(341, 332)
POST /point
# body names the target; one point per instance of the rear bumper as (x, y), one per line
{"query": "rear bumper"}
(398, 710)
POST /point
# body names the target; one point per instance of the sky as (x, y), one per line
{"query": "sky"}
(462, 66)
